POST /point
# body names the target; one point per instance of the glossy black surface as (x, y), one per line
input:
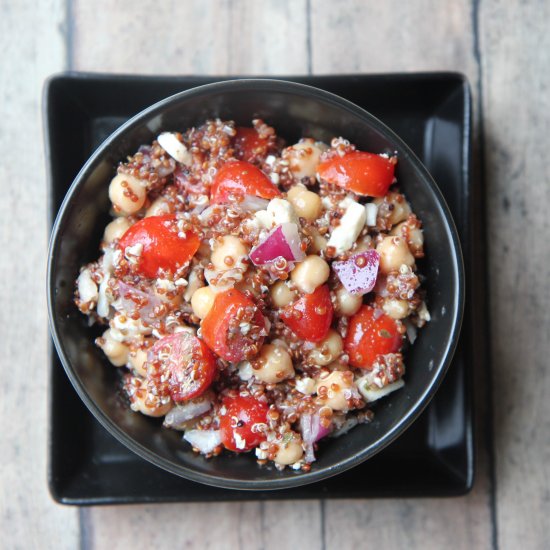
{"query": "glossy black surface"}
(431, 112)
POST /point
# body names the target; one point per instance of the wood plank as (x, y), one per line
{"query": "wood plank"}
(399, 36)
(392, 36)
(239, 526)
(457, 523)
(515, 47)
(28, 517)
(193, 37)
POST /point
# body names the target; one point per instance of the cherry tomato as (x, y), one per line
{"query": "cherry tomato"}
(234, 327)
(240, 178)
(239, 422)
(249, 145)
(311, 315)
(162, 247)
(360, 172)
(183, 365)
(370, 334)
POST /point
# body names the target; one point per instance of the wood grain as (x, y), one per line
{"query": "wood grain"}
(515, 47)
(392, 36)
(221, 37)
(246, 526)
(28, 517)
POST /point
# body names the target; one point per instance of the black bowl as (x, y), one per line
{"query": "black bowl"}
(294, 110)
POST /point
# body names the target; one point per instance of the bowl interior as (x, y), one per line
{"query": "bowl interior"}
(295, 111)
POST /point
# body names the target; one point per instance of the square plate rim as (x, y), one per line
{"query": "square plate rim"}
(71, 77)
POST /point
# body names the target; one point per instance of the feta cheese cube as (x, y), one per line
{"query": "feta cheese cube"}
(371, 393)
(351, 225)
(278, 211)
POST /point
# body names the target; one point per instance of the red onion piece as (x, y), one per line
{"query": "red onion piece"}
(144, 302)
(312, 431)
(203, 440)
(358, 273)
(146, 151)
(281, 242)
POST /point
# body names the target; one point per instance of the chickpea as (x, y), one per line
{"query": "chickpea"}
(116, 351)
(141, 400)
(159, 207)
(394, 252)
(318, 242)
(310, 274)
(401, 208)
(307, 204)
(194, 282)
(229, 252)
(281, 294)
(115, 229)
(202, 301)
(346, 303)
(304, 157)
(396, 309)
(336, 384)
(328, 350)
(363, 244)
(137, 360)
(127, 193)
(412, 233)
(275, 364)
(289, 451)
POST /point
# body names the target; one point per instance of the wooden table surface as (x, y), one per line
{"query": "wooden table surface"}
(504, 49)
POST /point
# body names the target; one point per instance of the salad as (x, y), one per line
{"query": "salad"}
(257, 296)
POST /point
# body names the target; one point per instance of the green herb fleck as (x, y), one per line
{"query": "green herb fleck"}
(384, 333)
(288, 437)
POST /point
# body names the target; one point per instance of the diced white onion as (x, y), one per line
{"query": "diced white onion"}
(187, 411)
(245, 370)
(371, 210)
(412, 331)
(175, 148)
(87, 289)
(305, 385)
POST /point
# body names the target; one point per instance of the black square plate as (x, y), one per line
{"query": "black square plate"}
(435, 457)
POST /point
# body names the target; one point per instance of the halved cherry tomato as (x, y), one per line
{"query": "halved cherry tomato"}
(311, 315)
(234, 327)
(240, 178)
(249, 145)
(182, 364)
(239, 423)
(371, 333)
(162, 247)
(360, 172)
